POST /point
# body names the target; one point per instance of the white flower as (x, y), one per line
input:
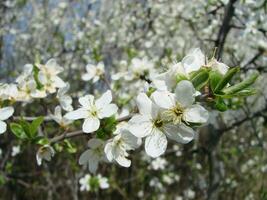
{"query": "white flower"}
(8, 91)
(92, 111)
(89, 182)
(193, 61)
(103, 182)
(151, 124)
(180, 106)
(138, 68)
(57, 117)
(15, 151)
(85, 183)
(48, 75)
(94, 72)
(64, 99)
(94, 155)
(159, 163)
(46, 152)
(116, 148)
(5, 113)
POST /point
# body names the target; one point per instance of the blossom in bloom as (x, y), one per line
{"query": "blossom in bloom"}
(92, 110)
(89, 182)
(116, 148)
(61, 120)
(158, 163)
(8, 91)
(180, 107)
(94, 72)
(46, 152)
(139, 68)
(151, 124)
(64, 99)
(15, 150)
(94, 155)
(48, 75)
(5, 113)
(85, 183)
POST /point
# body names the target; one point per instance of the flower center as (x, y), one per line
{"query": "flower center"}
(158, 123)
(174, 114)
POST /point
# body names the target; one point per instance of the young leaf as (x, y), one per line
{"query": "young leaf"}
(214, 77)
(18, 131)
(226, 79)
(200, 80)
(220, 104)
(34, 126)
(242, 85)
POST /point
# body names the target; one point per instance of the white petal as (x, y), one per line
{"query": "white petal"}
(156, 144)
(59, 83)
(6, 112)
(87, 77)
(87, 101)
(104, 100)
(164, 99)
(196, 114)
(123, 161)
(193, 61)
(108, 111)
(94, 143)
(144, 104)
(140, 126)
(2, 127)
(130, 140)
(108, 151)
(84, 158)
(42, 77)
(80, 113)
(91, 124)
(179, 133)
(184, 93)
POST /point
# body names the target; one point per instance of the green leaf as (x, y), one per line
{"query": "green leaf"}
(34, 126)
(226, 79)
(18, 131)
(40, 140)
(244, 93)
(200, 79)
(220, 104)
(26, 127)
(214, 77)
(70, 147)
(242, 85)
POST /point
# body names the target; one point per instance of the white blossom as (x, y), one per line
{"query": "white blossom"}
(93, 155)
(151, 124)
(48, 76)
(64, 99)
(94, 72)
(5, 113)
(46, 152)
(92, 110)
(116, 148)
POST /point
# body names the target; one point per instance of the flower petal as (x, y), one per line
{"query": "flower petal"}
(179, 133)
(196, 114)
(144, 104)
(104, 100)
(87, 101)
(108, 151)
(80, 113)
(123, 161)
(6, 112)
(2, 127)
(164, 99)
(91, 124)
(184, 93)
(140, 126)
(108, 111)
(156, 144)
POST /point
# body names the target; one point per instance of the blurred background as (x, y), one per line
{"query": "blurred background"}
(227, 161)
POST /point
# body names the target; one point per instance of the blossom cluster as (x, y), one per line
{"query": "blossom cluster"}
(169, 106)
